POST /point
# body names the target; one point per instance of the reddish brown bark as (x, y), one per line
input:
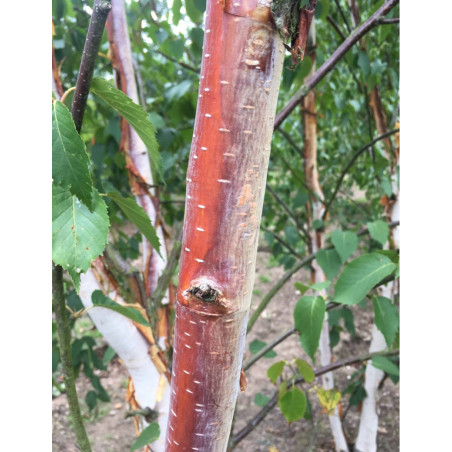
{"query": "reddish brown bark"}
(240, 76)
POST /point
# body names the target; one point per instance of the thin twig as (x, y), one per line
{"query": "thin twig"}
(330, 63)
(267, 348)
(350, 164)
(307, 238)
(344, 17)
(283, 242)
(180, 63)
(394, 20)
(96, 27)
(254, 422)
(336, 27)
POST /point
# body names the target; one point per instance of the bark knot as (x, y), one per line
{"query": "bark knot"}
(204, 292)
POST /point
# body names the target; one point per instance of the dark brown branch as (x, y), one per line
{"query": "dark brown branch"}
(283, 242)
(267, 348)
(101, 10)
(350, 164)
(255, 421)
(329, 64)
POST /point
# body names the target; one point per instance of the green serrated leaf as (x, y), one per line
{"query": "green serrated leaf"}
(275, 371)
(293, 404)
(385, 364)
(305, 370)
(386, 318)
(330, 262)
(131, 112)
(70, 162)
(78, 234)
(102, 301)
(138, 216)
(261, 399)
(150, 434)
(360, 276)
(345, 243)
(309, 314)
(379, 231)
(75, 276)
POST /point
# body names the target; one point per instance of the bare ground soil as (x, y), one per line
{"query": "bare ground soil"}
(111, 432)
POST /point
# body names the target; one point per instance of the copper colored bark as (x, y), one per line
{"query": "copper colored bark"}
(240, 76)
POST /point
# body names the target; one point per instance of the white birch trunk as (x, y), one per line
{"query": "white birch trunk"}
(368, 426)
(133, 349)
(138, 151)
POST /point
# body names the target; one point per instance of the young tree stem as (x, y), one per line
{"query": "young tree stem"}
(64, 340)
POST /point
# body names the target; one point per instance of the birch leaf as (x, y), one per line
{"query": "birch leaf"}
(138, 216)
(329, 261)
(345, 243)
(134, 114)
(305, 370)
(360, 276)
(261, 399)
(78, 234)
(309, 314)
(293, 404)
(70, 162)
(275, 370)
(379, 231)
(386, 318)
(150, 434)
(100, 300)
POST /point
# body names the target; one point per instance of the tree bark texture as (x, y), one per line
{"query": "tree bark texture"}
(64, 342)
(133, 346)
(240, 76)
(368, 426)
(137, 157)
(317, 242)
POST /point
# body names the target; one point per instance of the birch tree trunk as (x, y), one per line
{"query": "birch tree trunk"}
(137, 158)
(241, 70)
(318, 236)
(368, 426)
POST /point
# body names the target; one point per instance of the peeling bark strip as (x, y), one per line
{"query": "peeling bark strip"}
(136, 154)
(240, 77)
